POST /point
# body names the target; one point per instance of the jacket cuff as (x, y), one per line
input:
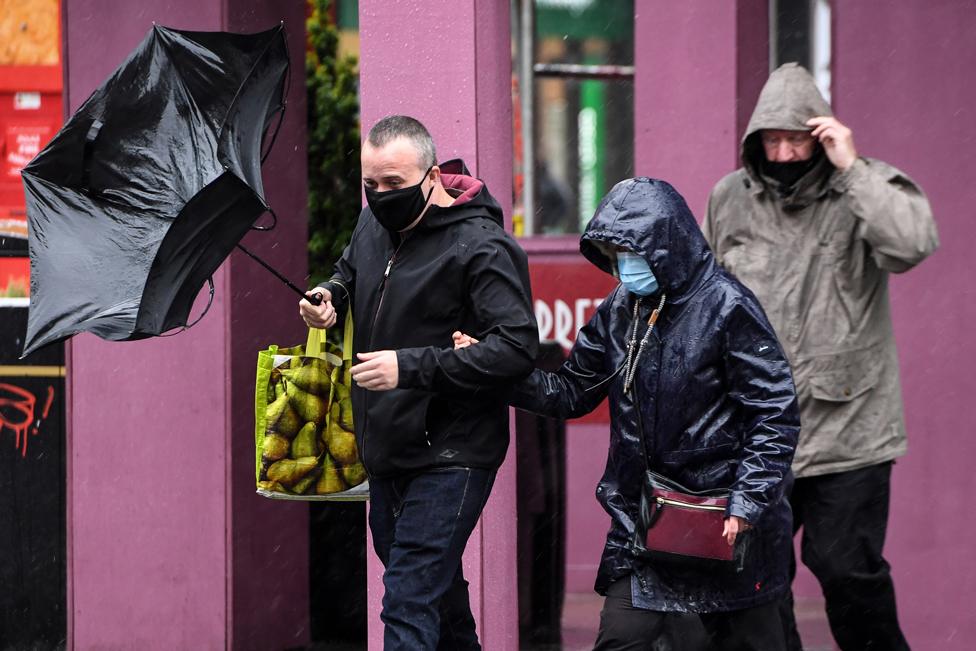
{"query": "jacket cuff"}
(742, 507)
(410, 367)
(340, 295)
(852, 175)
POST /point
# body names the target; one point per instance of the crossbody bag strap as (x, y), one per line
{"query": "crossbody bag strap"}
(640, 426)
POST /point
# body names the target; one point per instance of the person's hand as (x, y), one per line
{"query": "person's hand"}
(377, 371)
(462, 340)
(734, 525)
(837, 141)
(322, 315)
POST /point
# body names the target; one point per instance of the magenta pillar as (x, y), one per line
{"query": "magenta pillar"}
(902, 80)
(168, 546)
(449, 65)
(699, 67)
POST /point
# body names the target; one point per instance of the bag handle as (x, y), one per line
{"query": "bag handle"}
(347, 336)
(315, 344)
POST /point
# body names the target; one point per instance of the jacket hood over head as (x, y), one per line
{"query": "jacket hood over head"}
(649, 217)
(789, 98)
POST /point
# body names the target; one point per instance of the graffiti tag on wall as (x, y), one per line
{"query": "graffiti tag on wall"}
(18, 413)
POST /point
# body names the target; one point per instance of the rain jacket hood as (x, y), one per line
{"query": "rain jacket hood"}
(712, 400)
(471, 199)
(649, 217)
(789, 98)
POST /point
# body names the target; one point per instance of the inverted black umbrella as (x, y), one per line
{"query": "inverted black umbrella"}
(150, 184)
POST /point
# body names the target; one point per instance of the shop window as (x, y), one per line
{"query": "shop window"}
(575, 119)
(799, 30)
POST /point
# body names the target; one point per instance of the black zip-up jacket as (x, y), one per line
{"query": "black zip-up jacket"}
(456, 270)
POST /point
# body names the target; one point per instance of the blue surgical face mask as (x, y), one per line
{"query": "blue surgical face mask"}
(636, 274)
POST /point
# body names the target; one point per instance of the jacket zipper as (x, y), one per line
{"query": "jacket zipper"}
(372, 328)
(687, 505)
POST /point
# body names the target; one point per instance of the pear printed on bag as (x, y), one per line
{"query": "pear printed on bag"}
(341, 444)
(281, 417)
(330, 481)
(303, 485)
(354, 474)
(305, 443)
(274, 447)
(313, 377)
(310, 407)
(289, 471)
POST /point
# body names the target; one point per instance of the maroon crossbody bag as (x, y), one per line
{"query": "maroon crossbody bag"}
(675, 523)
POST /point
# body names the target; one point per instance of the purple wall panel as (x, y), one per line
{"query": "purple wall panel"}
(902, 81)
(699, 68)
(167, 541)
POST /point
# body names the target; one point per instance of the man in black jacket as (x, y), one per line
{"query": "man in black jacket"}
(429, 256)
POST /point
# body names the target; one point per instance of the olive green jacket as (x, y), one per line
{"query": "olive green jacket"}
(818, 258)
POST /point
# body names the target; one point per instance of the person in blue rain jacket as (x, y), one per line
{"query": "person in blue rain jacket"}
(714, 396)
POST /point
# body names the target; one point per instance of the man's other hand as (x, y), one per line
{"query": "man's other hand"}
(322, 315)
(377, 371)
(837, 141)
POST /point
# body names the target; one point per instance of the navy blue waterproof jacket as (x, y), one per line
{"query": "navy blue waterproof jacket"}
(717, 402)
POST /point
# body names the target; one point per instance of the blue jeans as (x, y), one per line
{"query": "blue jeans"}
(420, 526)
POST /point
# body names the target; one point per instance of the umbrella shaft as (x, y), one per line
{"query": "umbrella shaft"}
(279, 276)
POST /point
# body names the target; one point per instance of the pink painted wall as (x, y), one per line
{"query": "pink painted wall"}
(169, 548)
(699, 68)
(903, 82)
(449, 65)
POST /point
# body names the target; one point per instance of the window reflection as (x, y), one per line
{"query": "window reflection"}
(582, 112)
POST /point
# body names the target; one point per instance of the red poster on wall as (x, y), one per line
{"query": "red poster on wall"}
(30, 115)
(21, 143)
(566, 293)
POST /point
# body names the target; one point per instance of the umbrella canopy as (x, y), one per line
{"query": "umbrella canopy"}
(150, 184)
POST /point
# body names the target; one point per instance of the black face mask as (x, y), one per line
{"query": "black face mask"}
(397, 209)
(787, 174)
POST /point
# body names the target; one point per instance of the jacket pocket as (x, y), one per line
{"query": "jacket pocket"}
(844, 385)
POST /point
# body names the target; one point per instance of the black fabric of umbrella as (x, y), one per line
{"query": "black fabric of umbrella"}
(150, 184)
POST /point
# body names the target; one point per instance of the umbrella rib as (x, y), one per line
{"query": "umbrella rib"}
(244, 81)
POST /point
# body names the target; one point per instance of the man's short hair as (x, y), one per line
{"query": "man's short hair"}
(403, 126)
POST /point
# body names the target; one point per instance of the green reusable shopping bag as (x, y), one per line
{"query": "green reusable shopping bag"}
(303, 431)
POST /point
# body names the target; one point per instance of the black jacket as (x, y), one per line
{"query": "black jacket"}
(456, 270)
(717, 404)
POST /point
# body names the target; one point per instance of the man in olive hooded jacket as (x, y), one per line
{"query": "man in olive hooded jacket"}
(814, 230)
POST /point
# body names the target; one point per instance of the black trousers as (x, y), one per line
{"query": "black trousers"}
(625, 628)
(844, 518)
